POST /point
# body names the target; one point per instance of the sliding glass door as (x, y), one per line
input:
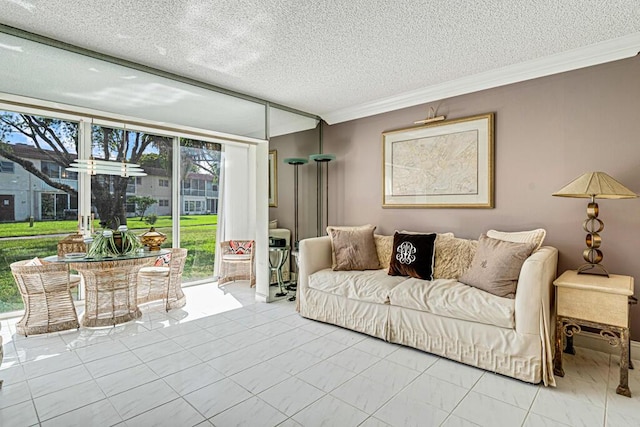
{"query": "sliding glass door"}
(38, 196)
(139, 201)
(200, 167)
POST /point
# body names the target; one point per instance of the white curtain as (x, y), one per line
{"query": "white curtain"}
(220, 232)
(236, 219)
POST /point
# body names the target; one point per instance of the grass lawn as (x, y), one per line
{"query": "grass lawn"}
(198, 235)
(20, 229)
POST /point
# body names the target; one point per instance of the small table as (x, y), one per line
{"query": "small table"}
(598, 302)
(110, 285)
(293, 286)
(282, 253)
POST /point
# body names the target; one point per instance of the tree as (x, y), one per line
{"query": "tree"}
(142, 204)
(199, 156)
(57, 140)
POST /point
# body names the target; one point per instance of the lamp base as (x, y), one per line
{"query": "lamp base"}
(595, 269)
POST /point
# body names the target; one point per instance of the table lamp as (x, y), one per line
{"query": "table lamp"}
(594, 185)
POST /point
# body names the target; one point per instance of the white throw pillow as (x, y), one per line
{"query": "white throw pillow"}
(273, 224)
(534, 236)
(33, 262)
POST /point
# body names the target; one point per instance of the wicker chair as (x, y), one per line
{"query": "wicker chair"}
(48, 306)
(236, 261)
(163, 283)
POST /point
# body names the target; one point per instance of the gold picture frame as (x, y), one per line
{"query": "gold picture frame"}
(273, 178)
(447, 164)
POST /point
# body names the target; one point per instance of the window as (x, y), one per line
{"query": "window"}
(50, 169)
(163, 182)
(6, 167)
(138, 180)
(54, 170)
(163, 203)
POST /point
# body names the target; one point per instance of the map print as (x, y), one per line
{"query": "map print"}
(438, 165)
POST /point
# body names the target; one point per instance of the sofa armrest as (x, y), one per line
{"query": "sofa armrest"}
(315, 255)
(534, 295)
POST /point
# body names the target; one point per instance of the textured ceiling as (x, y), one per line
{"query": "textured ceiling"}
(326, 57)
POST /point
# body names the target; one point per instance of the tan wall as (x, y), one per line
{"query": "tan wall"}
(299, 144)
(548, 131)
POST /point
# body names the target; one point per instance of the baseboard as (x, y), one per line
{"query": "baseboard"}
(596, 342)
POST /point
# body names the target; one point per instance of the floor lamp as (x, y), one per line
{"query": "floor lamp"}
(295, 161)
(322, 159)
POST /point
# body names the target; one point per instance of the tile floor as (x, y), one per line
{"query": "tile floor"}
(225, 360)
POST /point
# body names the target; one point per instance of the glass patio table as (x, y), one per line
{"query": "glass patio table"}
(110, 285)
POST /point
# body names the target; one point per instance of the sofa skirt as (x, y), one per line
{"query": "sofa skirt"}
(360, 316)
(495, 349)
(491, 348)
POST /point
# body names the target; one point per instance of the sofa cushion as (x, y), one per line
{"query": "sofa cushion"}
(370, 285)
(453, 256)
(354, 249)
(384, 248)
(534, 236)
(412, 255)
(449, 298)
(496, 266)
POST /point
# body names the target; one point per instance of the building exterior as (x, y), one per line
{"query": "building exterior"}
(24, 195)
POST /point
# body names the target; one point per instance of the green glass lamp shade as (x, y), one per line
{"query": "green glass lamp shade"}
(322, 157)
(296, 161)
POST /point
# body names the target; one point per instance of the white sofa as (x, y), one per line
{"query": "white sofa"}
(443, 317)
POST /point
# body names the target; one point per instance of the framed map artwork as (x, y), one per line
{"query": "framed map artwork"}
(446, 164)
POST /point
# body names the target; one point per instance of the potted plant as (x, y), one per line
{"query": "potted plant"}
(107, 242)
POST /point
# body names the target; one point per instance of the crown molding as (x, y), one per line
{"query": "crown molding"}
(599, 53)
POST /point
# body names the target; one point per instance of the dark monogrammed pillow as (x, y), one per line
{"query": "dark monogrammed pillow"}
(413, 255)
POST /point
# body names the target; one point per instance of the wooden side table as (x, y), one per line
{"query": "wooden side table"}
(597, 302)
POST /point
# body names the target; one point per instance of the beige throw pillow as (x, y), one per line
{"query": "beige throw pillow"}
(534, 236)
(384, 248)
(354, 248)
(496, 266)
(453, 256)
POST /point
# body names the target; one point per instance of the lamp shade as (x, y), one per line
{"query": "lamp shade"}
(322, 157)
(597, 185)
(296, 161)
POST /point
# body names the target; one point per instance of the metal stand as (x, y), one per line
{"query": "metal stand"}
(616, 336)
(294, 287)
(282, 253)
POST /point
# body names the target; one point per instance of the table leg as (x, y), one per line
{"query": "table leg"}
(568, 348)
(623, 387)
(557, 357)
(629, 347)
(280, 283)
